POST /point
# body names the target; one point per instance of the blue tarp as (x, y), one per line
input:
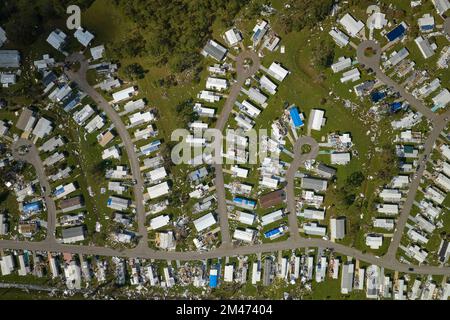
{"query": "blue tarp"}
(377, 96)
(59, 191)
(243, 201)
(396, 33)
(213, 281)
(295, 115)
(32, 207)
(273, 232)
(427, 27)
(396, 106)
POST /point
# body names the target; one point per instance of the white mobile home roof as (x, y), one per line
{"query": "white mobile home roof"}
(351, 75)
(446, 168)
(9, 59)
(374, 241)
(158, 190)
(117, 203)
(95, 124)
(159, 222)
(342, 64)
(443, 181)
(384, 223)
(208, 96)
(83, 37)
(246, 218)
(441, 6)
(244, 122)
(398, 56)
(240, 172)
(445, 149)
(340, 158)
(339, 37)
(317, 119)
(425, 47)
(81, 116)
(277, 71)
(314, 229)
(316, 214)
(57, 39)
(112, 152)
(428, 88)
(67, 189)
(134, 105)
(141, 117)
(233, 36)
(204, 222)
(97, 52)
(246, 235)
(271, 217)
(337, 228)
(216, 83)
(124, 94)
(377, 21)
(52, 144)
(442, 98)
(269, 182)
(388, 208)
(158, 174)
(352, 26)
(255, 95)
(268, 85)
(42, 128)
(391, 194)
(228, 273)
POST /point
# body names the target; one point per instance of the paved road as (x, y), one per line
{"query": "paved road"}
(243, 74)
(142, 251)
(224, 251)
(439, 123)
(32, 157)
(299, 160)
(79, 78)
(373, 62)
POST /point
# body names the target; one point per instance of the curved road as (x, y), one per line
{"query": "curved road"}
(243, 74)
(143, 251)
(299, 160)
(79, 78)
(439, 124)
(32, 157)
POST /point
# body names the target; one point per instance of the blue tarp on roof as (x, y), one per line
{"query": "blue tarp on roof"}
(212, 281)
(71, 104)
(396, 106)
(377, 96)
(243, 201)
(256, 35)
(59, 191)
(396, 33)
(32, 207)
(273, 232)
(152, 147)
(295, 115)
(427, 27)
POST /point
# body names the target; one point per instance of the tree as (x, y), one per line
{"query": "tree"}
(134, 71)
(356, 179)
(324, 53)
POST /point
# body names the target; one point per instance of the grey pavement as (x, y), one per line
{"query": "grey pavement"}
(79, 78)
(243, 74)
(299, 160)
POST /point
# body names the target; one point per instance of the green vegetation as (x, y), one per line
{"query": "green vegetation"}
(173, 32)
